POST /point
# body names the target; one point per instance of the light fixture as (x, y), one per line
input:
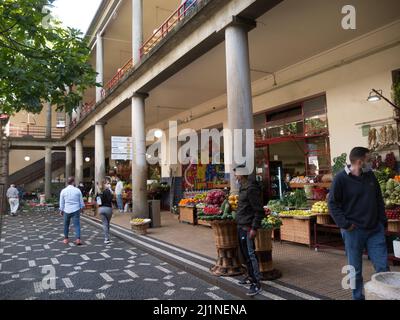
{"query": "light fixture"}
(27, 158)
(376, 95)
(373, 96)
(148, 156)
(158, 133)
(87, 159)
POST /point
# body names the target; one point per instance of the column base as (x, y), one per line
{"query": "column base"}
(227, 264)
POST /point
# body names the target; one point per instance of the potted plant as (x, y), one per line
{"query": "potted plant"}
(218, 212)
(263, 246)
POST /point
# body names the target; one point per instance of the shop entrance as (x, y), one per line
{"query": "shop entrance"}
(292, 142)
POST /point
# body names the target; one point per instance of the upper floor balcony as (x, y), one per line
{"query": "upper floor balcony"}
(185, 10)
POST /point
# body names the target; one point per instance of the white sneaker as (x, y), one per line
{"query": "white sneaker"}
(107, 241)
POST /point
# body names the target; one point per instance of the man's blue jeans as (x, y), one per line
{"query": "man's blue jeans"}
(75, 216)
(120, 202)
(375, 243)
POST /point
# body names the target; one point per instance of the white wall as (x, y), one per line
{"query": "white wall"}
(345, 73)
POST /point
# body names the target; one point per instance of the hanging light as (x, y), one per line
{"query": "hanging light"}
(87, 159)
(27, 158)
(374, 95)
(158, 133)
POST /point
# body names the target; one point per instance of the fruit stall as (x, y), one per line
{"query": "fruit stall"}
(220, 211)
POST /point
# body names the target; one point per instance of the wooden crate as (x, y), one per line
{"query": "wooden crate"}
(296, 230)
(187, 214)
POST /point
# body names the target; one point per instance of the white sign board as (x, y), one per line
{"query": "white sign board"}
(121, 148)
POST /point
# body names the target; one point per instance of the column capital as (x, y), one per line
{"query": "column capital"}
(142, 95)
(245, 23)
(100, 122)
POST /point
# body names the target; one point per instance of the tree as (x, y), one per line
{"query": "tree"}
(40, 60)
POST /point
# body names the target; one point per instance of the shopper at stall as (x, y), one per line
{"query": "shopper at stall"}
(71, 206)
(357, 206)
(13, 199)
(119, 189)
(249, 215)
(104, 200)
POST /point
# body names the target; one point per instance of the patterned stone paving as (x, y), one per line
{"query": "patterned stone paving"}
(31, 249)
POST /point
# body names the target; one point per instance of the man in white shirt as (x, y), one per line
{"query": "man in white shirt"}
(119, 188)
(71, 206)
(13, 199)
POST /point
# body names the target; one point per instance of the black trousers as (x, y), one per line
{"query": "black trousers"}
(247, 248)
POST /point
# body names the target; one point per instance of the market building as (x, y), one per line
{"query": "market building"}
(293, 71)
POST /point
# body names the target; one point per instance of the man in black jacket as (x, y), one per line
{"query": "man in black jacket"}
(356, 204)
(249, 215)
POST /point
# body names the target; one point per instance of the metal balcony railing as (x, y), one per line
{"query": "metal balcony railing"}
(33, 131)
(183, 10)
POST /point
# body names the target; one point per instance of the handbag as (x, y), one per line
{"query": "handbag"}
(98, 200)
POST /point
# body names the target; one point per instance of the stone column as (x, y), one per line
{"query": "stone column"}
(47, 172)
(99, 65)
(239, 97)
(48, 120)
(139, 162)
(99, 153)
(68, 163)
(78, 161)
(137, 29)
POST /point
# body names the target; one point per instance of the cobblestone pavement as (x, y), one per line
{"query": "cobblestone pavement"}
(31, 248)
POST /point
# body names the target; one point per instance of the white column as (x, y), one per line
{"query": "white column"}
(99, 153)
(139, 162)
(48, 120)
(78, 161)
(68, 162)
(137, 29)
(99, 65)
(47, 172)
(239, 97)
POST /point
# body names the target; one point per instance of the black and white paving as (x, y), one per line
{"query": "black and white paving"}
(36, 265)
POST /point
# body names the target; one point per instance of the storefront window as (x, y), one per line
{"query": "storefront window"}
(315, 118)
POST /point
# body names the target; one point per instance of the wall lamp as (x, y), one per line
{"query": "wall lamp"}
(376, 95)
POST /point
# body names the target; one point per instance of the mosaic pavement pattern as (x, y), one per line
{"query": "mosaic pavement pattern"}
(31, 249)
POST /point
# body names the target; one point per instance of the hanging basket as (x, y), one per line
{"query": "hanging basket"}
(227, 244)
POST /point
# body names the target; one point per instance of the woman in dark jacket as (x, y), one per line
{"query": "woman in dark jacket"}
(105, 209)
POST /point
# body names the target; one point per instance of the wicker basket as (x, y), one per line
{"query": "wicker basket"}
(394, 225)
(140, 228)
(225, 233)
(323, 218)
(263, 240)
(227, 243)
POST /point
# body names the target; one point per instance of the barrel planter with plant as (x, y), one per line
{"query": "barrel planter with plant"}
(217, 212)
(263, 246)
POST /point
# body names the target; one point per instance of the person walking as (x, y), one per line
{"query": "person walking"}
(119, 189)
(249, 215)
(105, 198)
(13, 199)
(357, 207)
(71, 206)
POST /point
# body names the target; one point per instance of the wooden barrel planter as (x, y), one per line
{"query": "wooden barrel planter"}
(227, 244)
(263, 249)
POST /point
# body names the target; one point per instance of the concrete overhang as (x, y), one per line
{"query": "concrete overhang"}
(28, 143)
(144, 77)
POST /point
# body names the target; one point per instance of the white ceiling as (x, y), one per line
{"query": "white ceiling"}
(291, 32)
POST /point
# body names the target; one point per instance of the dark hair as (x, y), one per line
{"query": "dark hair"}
(358, 153)
(71, 180)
